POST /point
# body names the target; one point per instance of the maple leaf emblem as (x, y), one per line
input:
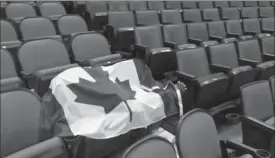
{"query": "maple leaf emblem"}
(103, 92)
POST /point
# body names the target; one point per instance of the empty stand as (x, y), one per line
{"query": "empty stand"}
(137, 5)
(266, 12)
(234, 29)
(192, 15)
(148, 17)
(264, 3)
(230, 14)
(19, 11)
(171, 17)
(52, 10)
(118, 6)
(211, 14)
(253, 27)
(173, 4)
(69, 24)
(217, 32)
(156, 5)
(249, 13)
(268, 25)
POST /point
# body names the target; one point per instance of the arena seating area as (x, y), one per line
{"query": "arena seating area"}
(223, 51)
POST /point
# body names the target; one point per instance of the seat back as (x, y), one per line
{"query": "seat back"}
(153, 147)
(205, 4)
(137, 5)
(8, 32)
(250, 49)
(118, 6)
(18, 10)
(249, 13)
(217, 28)
(268, 45)
(42, 54)
(147, 17)
(69, 24)
(264, 3)
(149, 36)
(197, 136)
(20, 117)
(51, 8)
(156, 5)
(192, 15)
(266, 12)
(230, 14)
(250, 3)
(211, 14)
(171, 17)
(121, 19)
(189, 4)
(186, 59)
(234, 27)
(257, 100)
(236, 4)
(197, 31)
(93, 7)
(251, 25)
(221, 4)
(175, 33)
(8, 68)
(268, 25)
(272, 84)
(224, 54)
(36, 27)
(85, 46)
(173, 4)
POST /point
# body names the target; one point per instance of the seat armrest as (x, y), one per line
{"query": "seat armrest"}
(219, 68)
(249, 121)
(170, 44)
(216, 38)
(195, 41)
(185, 76)
(141, 50)
(239, 148)
(244, 62)
(126, 55)
(81, 62)
(25, 75)
(268, 57)
(233, 35)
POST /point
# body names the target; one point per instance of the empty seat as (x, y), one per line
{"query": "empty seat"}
(137, 5)
(156, 5)
(39, 55)
(11, 84)
(171, 17)
(217, 32)
(230, 14)
(266, 12)
(19, 10)
(205, 4)
(251, 3)
(175, 36)
(272, 84)
(221, 4)
(189, 5)
(20, 122)
(173, 4)
(198, 34)
(118, 6)
(148, 17)
(153, 147)
(268, 25)
(234, 29)
(9, 38)
(237, 4)
(69, 24)
(8, 68)
(192, 15)
(211, 14)
(52, 10)
(264, 3)
(268, 48)
(249, 13)
(224, 58)
(93, 7)
(202, 84)
(250, 54)
(253, 27)
(37, 27)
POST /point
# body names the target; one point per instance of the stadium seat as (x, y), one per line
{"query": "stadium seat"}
(249, 13)
(171, 17)
(8, 67)
(250, 54)
(272, 84)
(147, 17)
(41, 54)
(149, 47)
(69, 24)
(224, 58)
(266, 12)
(198, 34)
(268, 48)
(234, 29)
(11, 84)
(221, 4)
(175, 36)
(205, 4)
(264, 3)
(253, 27)
(230, 14)
(9, 37)
(36, 27)
(199, 79)
(197, 137)
(189, 5)
(17, 11)
(97, 11)
(118, 6)
(268, 25)
(192, 15)
(52, 10)
(137, 5)
(217, 32)
(153, 147)
(250, 3)
(211, 14)
(173, 5)
(236, 4)
(156, 5)
(20, 113)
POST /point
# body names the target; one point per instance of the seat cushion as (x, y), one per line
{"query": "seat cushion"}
(209, 43)
(186, 46)
(246, 37)
(270, 121)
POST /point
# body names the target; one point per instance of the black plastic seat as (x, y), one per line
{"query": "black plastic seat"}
(137, 5)
(69, 24)
(97, 11)
(192, 15)
(173, 5)
(249, 13)
(268, 25)
(175, 36)
(250, 54)
(41, 54)
(234, 29)
(217, 32)
(236, 4)
(52, 10)
(37, 27)
(250, 3)
(21, 109)
(147, 17)
(8, 67)
(201, 83)
(205, 4)
(268, 48)
(230, 14)
(118, 6)
(264, 3)
(17, 11)
(211, 14)
(156, 5)
(171, 17)
(189, 4)
(266, 12)
(253, 27)
(198, 34)
(224, 58)
(221, 4)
